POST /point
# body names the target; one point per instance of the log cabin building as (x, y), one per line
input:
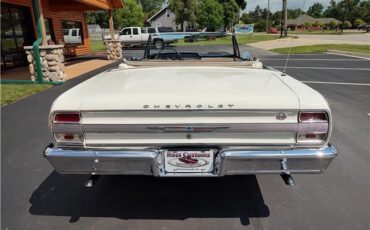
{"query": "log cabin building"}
(64, 22)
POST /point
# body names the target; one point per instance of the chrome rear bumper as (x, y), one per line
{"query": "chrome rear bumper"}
(227, 162)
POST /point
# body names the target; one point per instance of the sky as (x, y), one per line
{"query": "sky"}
(277, 4)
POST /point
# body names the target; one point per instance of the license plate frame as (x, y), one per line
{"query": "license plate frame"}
(189, 161)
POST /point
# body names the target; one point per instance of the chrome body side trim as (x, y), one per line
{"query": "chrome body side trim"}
(162, 128)
(66, 128)
(227, 161)
(220, 128)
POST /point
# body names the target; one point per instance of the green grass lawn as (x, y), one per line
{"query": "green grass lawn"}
(97, 46)
(365, 49)
(242, 39)
(13, 92)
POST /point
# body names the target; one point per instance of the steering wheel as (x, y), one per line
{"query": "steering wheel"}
(169, 48)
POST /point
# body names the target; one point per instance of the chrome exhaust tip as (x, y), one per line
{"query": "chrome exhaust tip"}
(91, 181)
(288, 179)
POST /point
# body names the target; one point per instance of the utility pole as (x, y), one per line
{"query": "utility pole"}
(284, 18)
(282, 21)
(268, 14)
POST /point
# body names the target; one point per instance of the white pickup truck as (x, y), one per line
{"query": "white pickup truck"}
(72, 36)
(132, 36)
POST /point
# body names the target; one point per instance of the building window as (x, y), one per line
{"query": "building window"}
(72, 32)
(49, 30)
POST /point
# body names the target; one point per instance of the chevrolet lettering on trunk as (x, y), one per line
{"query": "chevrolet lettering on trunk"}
(199, 106)
(188, 114)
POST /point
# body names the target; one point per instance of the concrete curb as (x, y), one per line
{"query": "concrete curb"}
(360, 55)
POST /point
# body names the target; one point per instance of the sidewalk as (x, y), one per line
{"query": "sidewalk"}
(308, 39)
(80, 68)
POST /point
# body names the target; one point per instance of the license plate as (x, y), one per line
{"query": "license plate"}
(188, 161)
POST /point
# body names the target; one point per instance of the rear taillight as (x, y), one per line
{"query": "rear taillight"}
(66, 128)
(66, 118)
(313, 127)
(313, 138)
(68, 138)
(313, 117)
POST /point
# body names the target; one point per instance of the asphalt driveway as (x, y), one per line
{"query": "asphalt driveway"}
(33, 196)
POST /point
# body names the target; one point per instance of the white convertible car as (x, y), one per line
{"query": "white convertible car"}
(185, 114)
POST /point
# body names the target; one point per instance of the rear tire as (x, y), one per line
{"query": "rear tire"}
(159, 44)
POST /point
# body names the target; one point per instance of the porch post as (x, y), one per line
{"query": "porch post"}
(114, 47)
(42, 24)
(111, 27)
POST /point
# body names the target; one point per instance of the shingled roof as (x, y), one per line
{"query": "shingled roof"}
(301, 20)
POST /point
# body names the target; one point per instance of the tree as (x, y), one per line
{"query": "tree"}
(349, 9)
(100, 18)
(257, 13)
(364, 11)
(294, 13)
(90, 18)
(231, 13)
(210, 14)
(333, 11)
(276, 18)
(264, 13)
(333, 25)
(315, 10)
(246, 18)
(130, 15)
(260, 25)
(184, 11)
(242, 4)
(150, 7)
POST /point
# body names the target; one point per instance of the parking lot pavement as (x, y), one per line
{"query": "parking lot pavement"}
(36, 197)
(322, 68)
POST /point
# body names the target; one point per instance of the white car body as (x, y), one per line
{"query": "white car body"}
(134, 118)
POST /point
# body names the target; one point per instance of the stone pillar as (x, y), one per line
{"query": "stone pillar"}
(114, 49)
(52, 61)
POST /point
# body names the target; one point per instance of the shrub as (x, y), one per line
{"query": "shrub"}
(358, 22)
(332, 24)
(307, 25)
(260, 25)
(347, 24)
